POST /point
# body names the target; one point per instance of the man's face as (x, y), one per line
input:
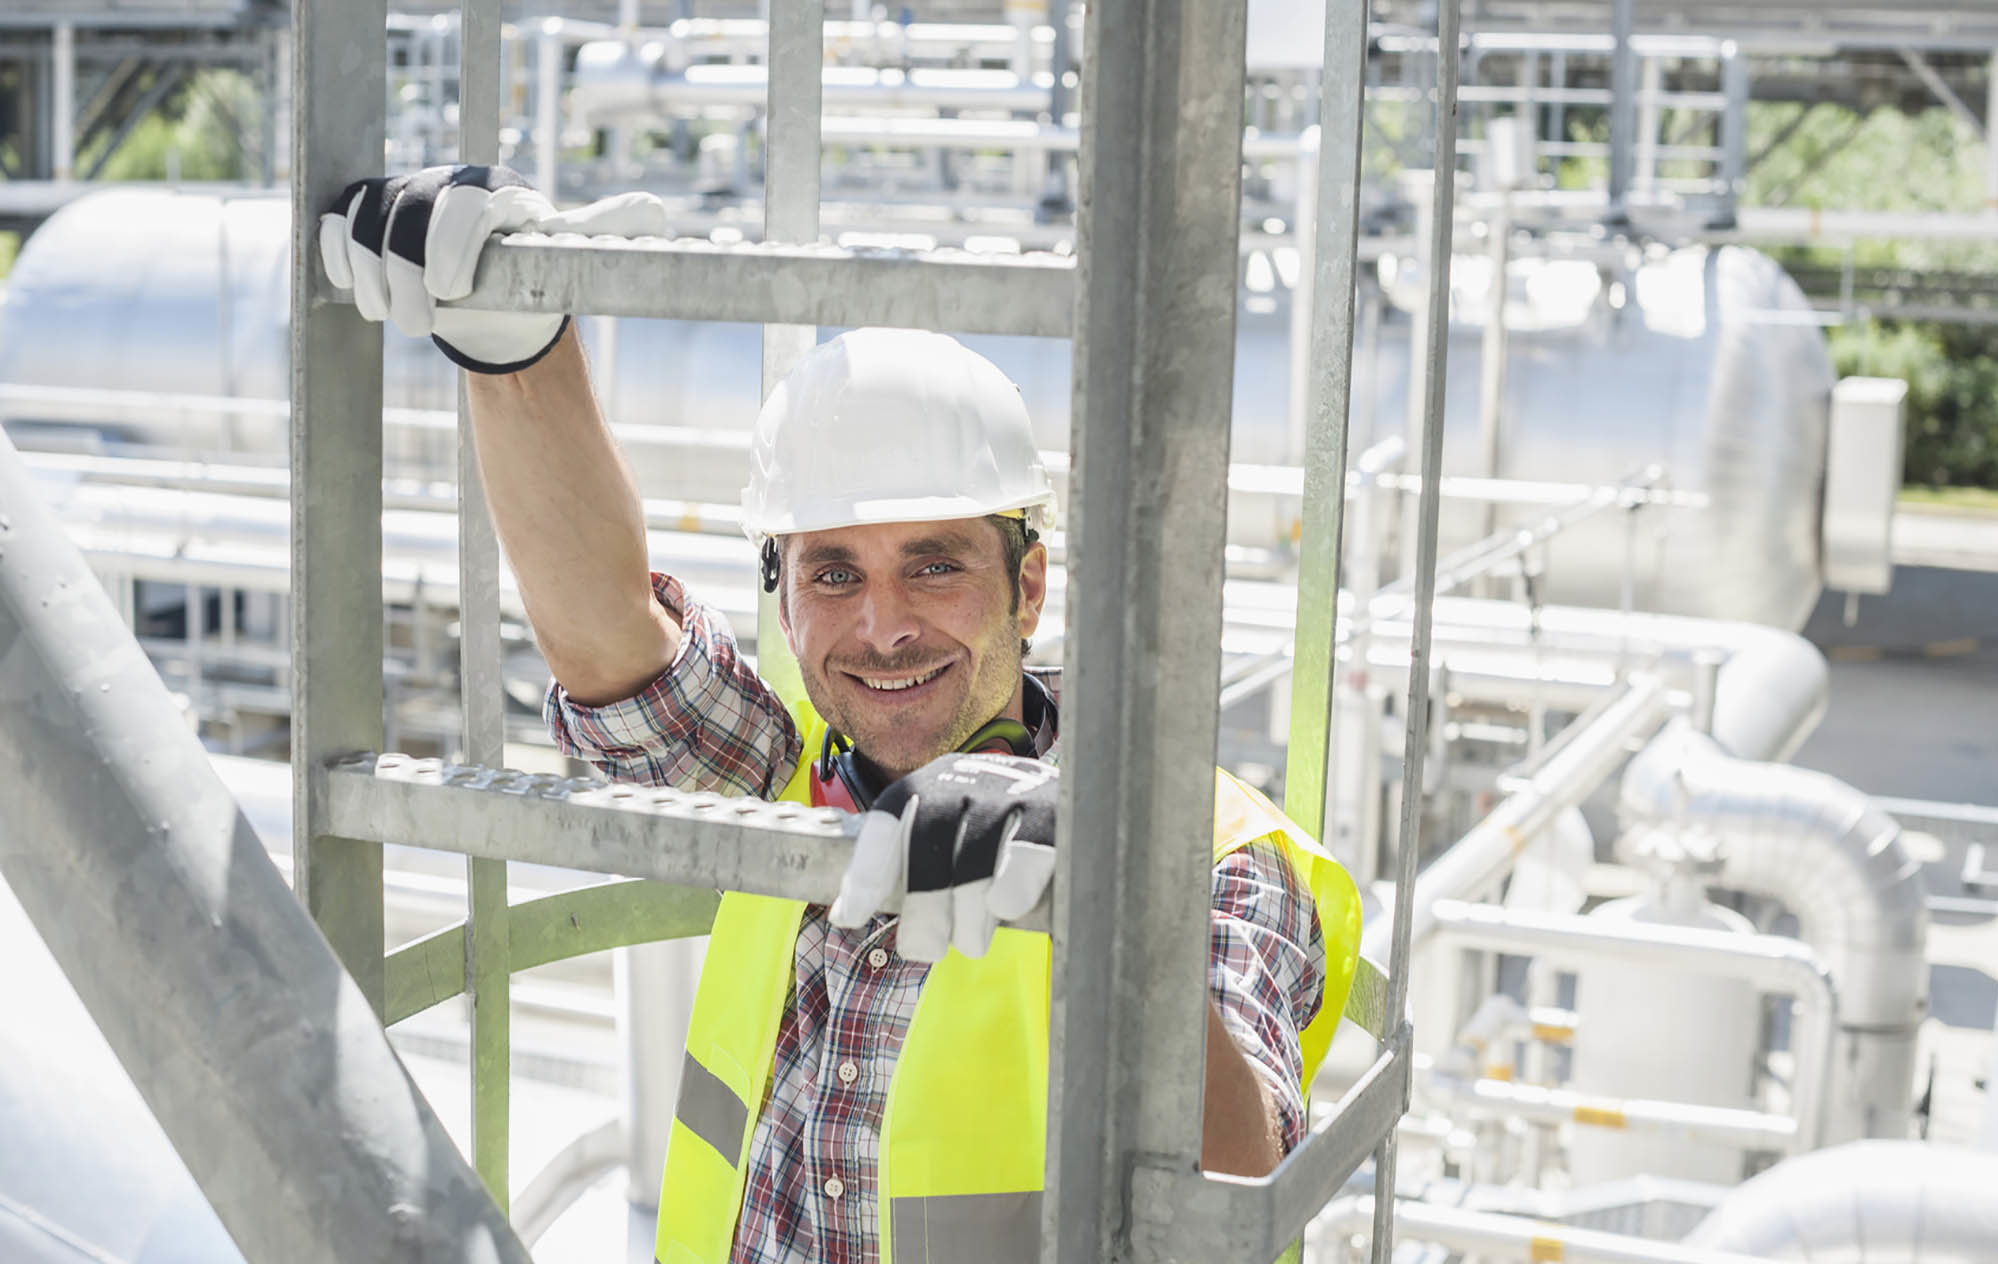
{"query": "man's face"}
(906, 633)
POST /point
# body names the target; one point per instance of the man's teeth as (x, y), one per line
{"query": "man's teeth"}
(907, 682)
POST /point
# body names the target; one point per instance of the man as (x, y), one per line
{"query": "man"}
(856, 1086)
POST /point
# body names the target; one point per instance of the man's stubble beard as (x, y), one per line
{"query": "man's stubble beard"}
(993, 687)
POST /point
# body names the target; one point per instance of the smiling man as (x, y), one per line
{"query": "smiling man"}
(857, 1086)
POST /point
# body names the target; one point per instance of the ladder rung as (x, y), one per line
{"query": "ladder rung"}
(692, 840)
(695, 279)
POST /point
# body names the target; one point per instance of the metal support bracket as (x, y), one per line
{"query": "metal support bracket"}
(1179, 1215)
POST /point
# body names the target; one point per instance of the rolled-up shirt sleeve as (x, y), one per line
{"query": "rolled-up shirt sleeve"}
(708, 722)
(1266, 971)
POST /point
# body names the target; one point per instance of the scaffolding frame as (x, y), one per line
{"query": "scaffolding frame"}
(1150, 302)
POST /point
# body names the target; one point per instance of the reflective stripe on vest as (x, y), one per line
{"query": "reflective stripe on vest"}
(960, 1172)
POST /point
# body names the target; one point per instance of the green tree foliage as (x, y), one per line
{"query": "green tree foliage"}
(1952, 411)
(1833, 158)
(200, 133)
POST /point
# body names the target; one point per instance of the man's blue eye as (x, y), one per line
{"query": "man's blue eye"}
(837, 576)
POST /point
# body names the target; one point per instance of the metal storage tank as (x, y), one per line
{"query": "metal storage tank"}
(1708, 362)
(1663, 1036)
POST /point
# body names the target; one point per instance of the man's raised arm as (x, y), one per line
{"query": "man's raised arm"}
(562, 498)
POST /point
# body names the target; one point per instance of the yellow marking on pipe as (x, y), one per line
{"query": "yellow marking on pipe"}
(690, 519)
(1516, 838)
(1951, 649)
(1543, 1248)
(1553, 1033)
(1599, 1116)
(1855, 653)
(1499, 1071)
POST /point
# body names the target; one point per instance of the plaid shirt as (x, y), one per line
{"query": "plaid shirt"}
(709, 723)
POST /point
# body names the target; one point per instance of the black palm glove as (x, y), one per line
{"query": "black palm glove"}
(970, 838)
(403, 244)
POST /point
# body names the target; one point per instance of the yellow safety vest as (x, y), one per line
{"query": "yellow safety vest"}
(960, 1170)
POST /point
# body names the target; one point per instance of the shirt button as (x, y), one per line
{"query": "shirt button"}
(835, 1187)
(877, 958)
(848, 1073)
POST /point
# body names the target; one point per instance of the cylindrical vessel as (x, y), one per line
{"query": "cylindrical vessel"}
(1704, 362)
(1676, 1037)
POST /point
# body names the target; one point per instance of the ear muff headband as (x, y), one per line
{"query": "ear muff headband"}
(837, 757)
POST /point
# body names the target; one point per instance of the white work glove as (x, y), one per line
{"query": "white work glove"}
(970, 838)
(403, 244)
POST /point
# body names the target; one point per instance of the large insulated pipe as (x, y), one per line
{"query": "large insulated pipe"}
(256, 1052)
(1832, 857)
(1869, 1202)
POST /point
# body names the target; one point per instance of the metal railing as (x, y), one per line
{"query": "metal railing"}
(1150, 303)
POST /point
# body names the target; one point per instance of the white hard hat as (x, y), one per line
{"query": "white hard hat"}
(892, 425)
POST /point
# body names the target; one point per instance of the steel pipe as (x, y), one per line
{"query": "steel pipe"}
(1836, 860)
(1771, 962)
(1749, 1129)
(1567, 777)
(1488, 1234)
(259, 1055)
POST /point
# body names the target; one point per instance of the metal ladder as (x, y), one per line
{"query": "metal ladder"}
(1149, 301)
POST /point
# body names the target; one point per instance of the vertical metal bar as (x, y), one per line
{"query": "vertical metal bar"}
(1623, 108)
(1061, 60)
(1154, 367)
(1491, 361)
(1335, 241)
(796, 60)
(488, 968)
(1415, 739)
(1734, 125)
(1990, 138)
(1557, 109)
(1644, 174)
(336, 475)
(196, 633)
(62, 112)
(547, 108)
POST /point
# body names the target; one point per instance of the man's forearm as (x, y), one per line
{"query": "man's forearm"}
(570, 520)
(1239, 1130)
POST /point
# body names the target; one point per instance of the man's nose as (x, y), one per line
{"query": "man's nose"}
(887, 620)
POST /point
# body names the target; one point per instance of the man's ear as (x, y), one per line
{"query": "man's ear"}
(1033, 587)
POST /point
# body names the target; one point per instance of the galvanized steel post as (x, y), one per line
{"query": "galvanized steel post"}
(336, 475)
(792, 113)
(1408, 840)
(1623, 109)
(1158, 229)
(1335, 249)
(488, 974)
(259, 1056)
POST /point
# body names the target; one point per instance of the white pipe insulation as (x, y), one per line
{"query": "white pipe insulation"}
(1829, 855)
(1870, 1202)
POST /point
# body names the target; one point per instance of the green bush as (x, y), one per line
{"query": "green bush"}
(1952, 412)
